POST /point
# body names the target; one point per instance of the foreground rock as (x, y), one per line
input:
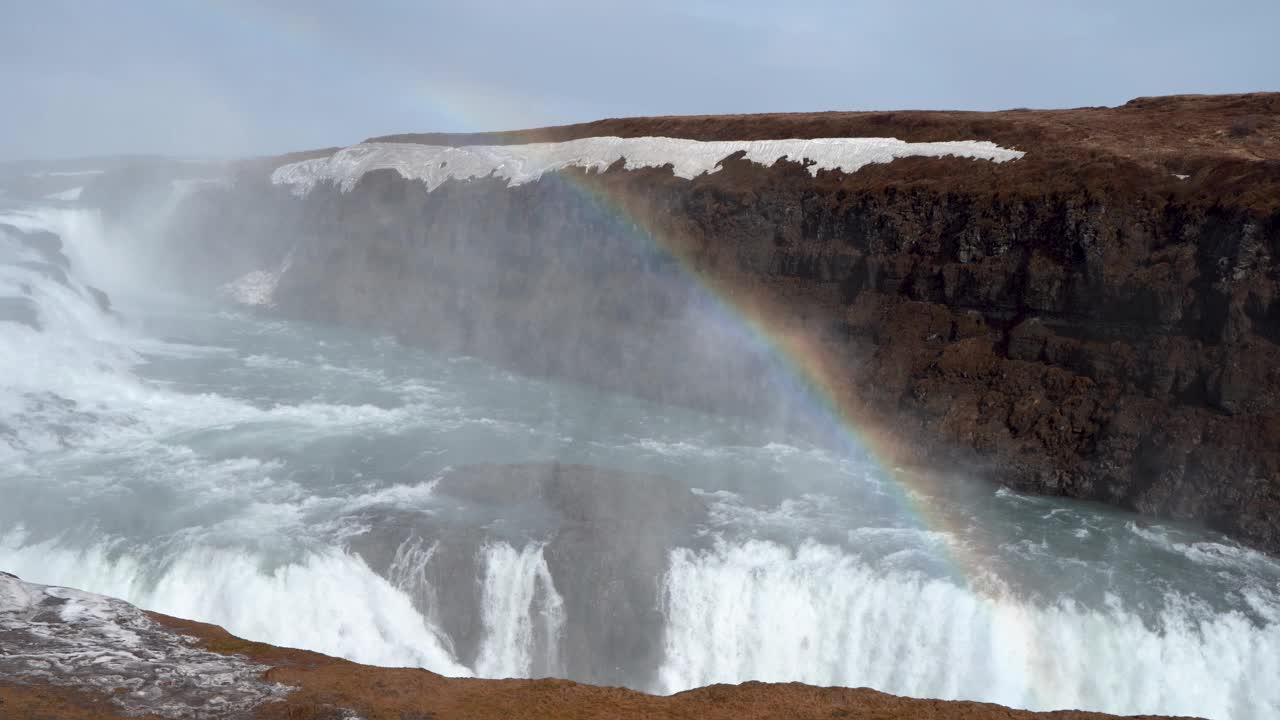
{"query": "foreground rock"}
(69, 655)
(62, 643)
(1099, 318)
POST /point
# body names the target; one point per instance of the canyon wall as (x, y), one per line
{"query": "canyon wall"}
(1099, 319)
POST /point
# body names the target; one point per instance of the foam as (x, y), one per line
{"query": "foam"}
(806, 512)
(519, 164)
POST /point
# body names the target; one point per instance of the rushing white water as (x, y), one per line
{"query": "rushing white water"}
(210, 463)
(522, 612)
(329, 601)
(519, 164)
(69, 350)
(761, 610)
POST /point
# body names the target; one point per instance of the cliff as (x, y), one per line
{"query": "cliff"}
(72, 655)
(1098, 318)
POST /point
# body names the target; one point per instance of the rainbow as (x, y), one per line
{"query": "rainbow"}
(812, 376)
(813, 373)
(810, 371)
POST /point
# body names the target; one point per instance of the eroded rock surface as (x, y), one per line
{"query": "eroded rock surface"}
(86, 643)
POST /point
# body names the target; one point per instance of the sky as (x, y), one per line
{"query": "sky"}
(221, 78)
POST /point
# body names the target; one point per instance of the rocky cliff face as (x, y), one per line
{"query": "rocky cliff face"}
(1099, 319)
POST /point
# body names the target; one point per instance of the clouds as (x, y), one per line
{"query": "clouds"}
(209, 77)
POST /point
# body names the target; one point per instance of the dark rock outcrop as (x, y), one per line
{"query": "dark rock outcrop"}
(20, 310)
(46, 243)
(1099, 320)
(100, 298)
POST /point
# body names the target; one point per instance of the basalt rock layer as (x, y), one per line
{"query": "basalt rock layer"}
(1099, 319)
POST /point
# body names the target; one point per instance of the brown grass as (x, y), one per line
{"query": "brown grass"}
(1228, 144)
(26, 702)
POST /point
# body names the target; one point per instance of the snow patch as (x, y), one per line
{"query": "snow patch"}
(257, 288)
(254, 288)
(520, 164)
(65, 637)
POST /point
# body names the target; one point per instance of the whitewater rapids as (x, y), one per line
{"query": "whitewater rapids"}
(205, 461)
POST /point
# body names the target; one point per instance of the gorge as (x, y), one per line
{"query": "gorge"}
(968, 406)
(1096, 319)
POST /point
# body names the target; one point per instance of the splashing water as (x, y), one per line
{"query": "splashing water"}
(523, 613)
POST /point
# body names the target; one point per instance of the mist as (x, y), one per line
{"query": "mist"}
(636, 411)
(515, 432)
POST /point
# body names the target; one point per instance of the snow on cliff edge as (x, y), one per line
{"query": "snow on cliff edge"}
(519, 164)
